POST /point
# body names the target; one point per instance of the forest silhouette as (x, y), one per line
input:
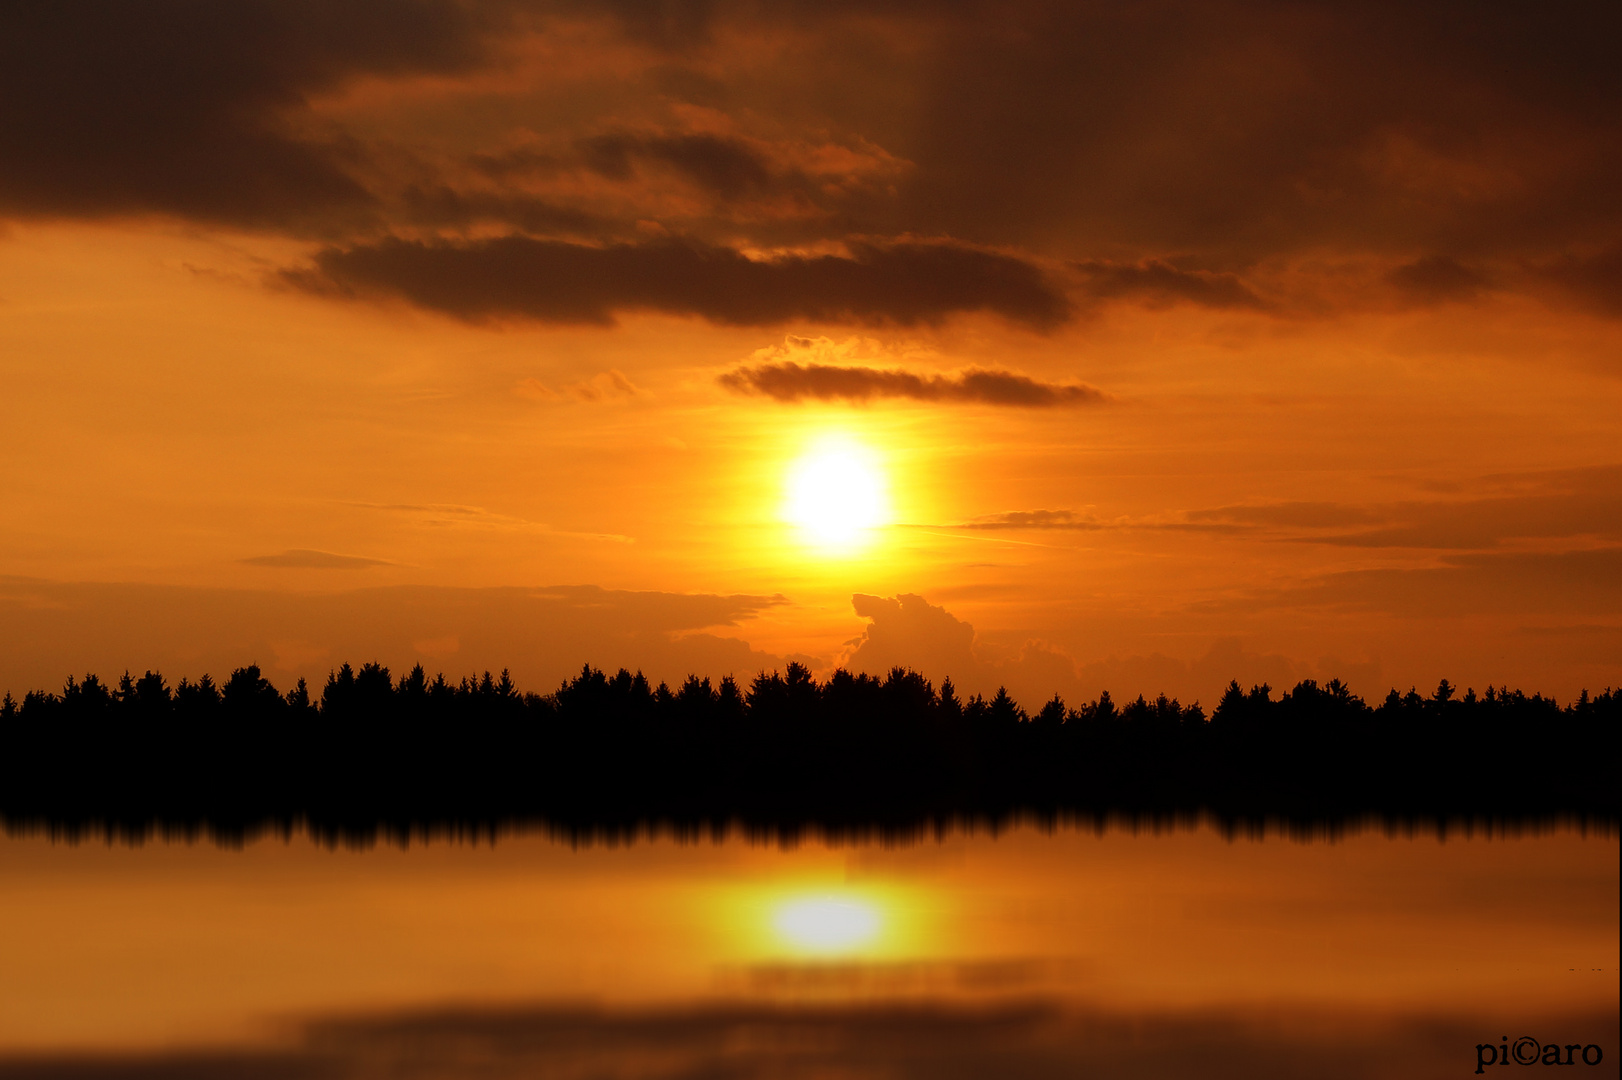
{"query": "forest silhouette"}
(610, 755)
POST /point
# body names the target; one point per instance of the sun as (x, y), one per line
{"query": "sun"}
(836, 492)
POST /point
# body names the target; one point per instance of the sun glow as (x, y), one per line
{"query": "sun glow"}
(827, 923)
(836, 493)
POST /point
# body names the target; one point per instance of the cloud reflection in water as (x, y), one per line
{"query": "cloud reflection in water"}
(901, 1041)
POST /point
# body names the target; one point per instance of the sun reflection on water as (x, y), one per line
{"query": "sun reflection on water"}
(827, 924)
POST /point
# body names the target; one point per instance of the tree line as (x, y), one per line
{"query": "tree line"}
(376, 755)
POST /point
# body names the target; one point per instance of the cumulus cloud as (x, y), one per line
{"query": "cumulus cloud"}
(515, 277)
(909, 631)
(789, 381)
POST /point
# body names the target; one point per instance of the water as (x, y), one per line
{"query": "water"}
(1068, 952)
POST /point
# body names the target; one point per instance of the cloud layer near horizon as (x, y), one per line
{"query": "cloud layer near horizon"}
(542, 634)
(308, 559)
(49, 630)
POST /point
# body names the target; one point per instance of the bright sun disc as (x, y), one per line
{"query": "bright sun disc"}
(827, 924)
(835, 493)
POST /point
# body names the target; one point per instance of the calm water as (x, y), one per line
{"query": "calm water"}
(1029, 953)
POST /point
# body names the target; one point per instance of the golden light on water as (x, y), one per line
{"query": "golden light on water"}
(836, 493)
(827, 924)
(824, 916)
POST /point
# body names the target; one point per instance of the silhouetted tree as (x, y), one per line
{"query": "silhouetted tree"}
(856, 751)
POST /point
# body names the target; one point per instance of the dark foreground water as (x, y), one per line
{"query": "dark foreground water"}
(1028, 954)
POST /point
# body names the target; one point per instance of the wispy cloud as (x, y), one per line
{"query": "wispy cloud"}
(1080, 521)
(1567, 583)
(450, 515)
(790, 381)
(1555, 507)
(309, 559)
(1034, 519)
(608, 385)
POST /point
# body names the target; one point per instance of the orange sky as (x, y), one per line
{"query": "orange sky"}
(1260, 343)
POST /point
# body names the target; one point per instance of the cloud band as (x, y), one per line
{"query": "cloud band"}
(789, 381)
(518, 277)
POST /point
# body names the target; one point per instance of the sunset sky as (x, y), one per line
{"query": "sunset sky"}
(1128, 346)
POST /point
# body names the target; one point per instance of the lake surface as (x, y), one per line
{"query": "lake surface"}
(1033, 952)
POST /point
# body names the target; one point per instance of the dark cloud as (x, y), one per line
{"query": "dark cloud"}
(789, 381)
(906, 1041)
(1160, 283)
(1249, 129)
(1150, 141)
(198, 109)
(1436, 279)
(440, 205)
(553, 281)
(1594, 280)
(790, 187)
(729, 167)
(305, 559)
